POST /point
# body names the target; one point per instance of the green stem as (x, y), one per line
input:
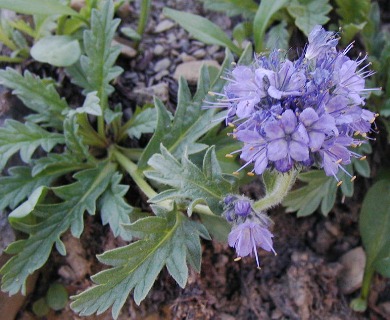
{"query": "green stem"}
(138, 178)
(279, 188)
(368, 273)
(145, 9)
(132, 170)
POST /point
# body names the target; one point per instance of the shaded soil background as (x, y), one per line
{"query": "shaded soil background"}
(319, 263)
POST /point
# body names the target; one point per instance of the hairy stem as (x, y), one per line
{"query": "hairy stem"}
(138, 178)
(279, 185)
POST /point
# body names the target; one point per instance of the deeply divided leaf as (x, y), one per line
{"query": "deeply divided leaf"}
(189, 182)
(25, 138)
(136, 266)
(96, 70)
(38, 95)
(51, 221)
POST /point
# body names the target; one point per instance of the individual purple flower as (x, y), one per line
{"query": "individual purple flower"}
(287, 138)
(248, 236)
(320, 41)
(237, 207)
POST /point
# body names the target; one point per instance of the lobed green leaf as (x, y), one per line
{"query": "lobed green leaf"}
(52, 220)
(308, 13)
(188, 181)
(38, 95)
(39, 7)
(25, 138)
(136, 266)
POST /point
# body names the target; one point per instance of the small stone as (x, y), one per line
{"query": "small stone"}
(213, 49)
(385, 308)
(351, 277)
(199, 54)
(146, 95)
(191, 70)
(161, 74)
(164, 26)
(185, 57)
(158, 50)
(162, 65)
(77, 4)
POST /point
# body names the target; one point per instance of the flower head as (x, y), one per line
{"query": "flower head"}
(300, 113)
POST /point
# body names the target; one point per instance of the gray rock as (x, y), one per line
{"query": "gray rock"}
(161, 65)
(190, 70)
(145, 95)
(158, 50)
(164, 26)
(351, 277)
(199, 54)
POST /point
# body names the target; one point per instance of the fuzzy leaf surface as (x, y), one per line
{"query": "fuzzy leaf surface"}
(96, 70)
(247, 8)
(19, 184)
(173, 241)
(308, 13)
(374, 225)
(114, 209)
(202, 29)
(38, 95)
(189, 181)
(190, 121)
(25, 138)
(41, 7)
(144, 120)
(52, 220)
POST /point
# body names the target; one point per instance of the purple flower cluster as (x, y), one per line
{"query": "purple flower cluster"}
(299, 113)
(250, 228)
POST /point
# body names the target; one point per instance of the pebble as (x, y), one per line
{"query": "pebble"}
(162, 64)
(351, 277)
(161, 74)
(186, 57)
(190, 70)
(164, 26)
(213, 49)
(199, 54)
(145, 95)
(158, 50)
(126, 50)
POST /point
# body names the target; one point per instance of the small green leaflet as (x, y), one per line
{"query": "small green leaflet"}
(188, 181)
(144, 120)
(52, 221)
(277, 36)
(169, 239)
(57, 50)
(189, 123)
(25, 138)
(374, 226)
(38, 95)
(202, 29)
(308, 13)
(74, 141)
(96, 70)
(114, 209)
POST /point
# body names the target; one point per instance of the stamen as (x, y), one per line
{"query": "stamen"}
(363, 158)
(231, 125)
(228, 155)
(356, 133)
(250, 174)
(339, 161)
(237, 259)
(339, 183)
(353, 178)
(235, 173)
